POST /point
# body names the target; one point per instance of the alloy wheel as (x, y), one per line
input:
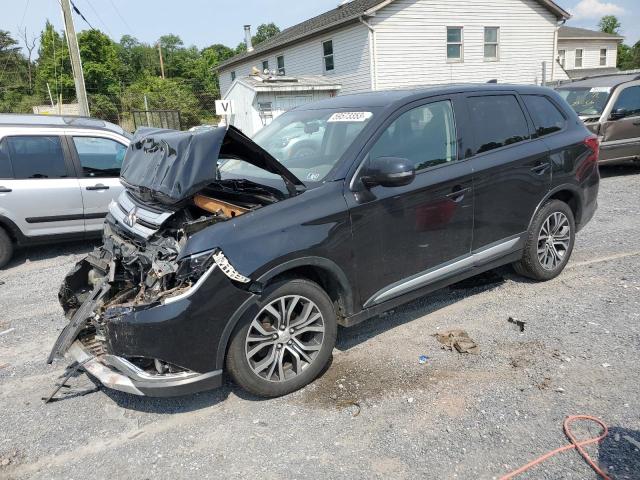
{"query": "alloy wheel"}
(284, 338)
(554, 240)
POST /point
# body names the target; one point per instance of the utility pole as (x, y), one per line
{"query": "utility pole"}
(161, 61)
(76, 62)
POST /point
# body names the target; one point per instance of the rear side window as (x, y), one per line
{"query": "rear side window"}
(6, 171)
(547, 118)
(498, 121)
(99, 157)
(426, 136)
(37, 157)
(629, 99)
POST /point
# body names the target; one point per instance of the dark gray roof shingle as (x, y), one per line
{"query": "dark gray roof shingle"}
(342, 14)
(574, 32)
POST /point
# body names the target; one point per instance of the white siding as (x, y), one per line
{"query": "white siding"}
(351, 57)
(590, 53)
(411, 42)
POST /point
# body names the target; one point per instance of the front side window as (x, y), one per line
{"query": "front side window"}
(265, 66)
(426, 136)
(629, 100)
(491, 36)
(579, 58)
(6, 170)
(562, 57)
(37, 157)
(307, 142)
(498, 121)
(546, 116)
(99, 157)
(454, 44)
(327, 52)
(603, 57)
(280, 61)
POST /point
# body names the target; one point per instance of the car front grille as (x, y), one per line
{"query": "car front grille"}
(136, 219)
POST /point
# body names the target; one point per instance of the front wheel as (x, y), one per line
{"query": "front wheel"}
(549, 242)
(6, 247)
(287, 344)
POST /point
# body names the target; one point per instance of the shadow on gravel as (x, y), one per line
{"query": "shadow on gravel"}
(619, 453)
(45, 252)
(619, 170)
(350, 337)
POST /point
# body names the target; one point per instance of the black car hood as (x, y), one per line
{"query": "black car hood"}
(172, 166)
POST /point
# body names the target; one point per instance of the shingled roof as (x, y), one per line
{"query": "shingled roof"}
(345, 13)
(565, 33)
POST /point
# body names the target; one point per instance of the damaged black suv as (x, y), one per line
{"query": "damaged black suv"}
(230, 254)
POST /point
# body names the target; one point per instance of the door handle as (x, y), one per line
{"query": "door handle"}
(98, 187)
(5, 190)
(540, 169)
(637, 122)
(457, 193)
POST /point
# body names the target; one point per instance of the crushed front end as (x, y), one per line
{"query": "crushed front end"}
(143, 318)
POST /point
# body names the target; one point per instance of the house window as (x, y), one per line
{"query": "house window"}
(280, 61)
(603, 57)
(562, 56)
(327, 52)
(579, 58)
(454, 44)
(265, 66)
(491, 39)
(233, 76)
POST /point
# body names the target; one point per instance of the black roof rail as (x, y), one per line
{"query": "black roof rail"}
(493, 80)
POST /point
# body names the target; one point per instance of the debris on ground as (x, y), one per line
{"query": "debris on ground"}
(350, 403)
(482, 280)
(458, 339)
(422, 359)
(518, 323)
(7, 331)
(9, 458)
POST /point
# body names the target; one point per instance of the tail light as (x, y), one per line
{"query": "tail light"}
(585, 168)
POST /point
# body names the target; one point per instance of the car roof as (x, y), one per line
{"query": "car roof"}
(383, 98)
(602, 81)
(61, 121)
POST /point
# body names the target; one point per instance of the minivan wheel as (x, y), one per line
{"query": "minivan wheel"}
(287, 344)
(6, 247)
(549, 242)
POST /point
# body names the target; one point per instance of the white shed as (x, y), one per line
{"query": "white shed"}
(258, 99)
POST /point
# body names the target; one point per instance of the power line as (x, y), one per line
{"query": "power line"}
(121, 17)
(75, 9)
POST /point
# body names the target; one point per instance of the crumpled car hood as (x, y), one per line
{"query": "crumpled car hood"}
(172, 166)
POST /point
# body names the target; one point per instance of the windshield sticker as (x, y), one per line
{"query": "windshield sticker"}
(313, 177)
(350, 117)
(600, 90)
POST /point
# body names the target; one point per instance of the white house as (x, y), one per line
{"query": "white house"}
(382, 44)
(584, 52)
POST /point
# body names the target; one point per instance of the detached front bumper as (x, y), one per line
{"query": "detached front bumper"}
(120, 374)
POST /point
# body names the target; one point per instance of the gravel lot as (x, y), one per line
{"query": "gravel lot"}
(457, 416)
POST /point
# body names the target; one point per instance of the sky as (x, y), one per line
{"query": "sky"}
(205, 22)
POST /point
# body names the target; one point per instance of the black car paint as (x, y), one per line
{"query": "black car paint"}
(362, 240)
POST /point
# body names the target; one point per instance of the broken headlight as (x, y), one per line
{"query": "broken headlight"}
(194, 266)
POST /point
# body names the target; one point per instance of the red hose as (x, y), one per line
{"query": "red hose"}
(574, 444)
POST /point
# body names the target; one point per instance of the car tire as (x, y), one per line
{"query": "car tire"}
(549, 242)
(267, 366)
(6, 247)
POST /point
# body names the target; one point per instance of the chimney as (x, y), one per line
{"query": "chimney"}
(247, 38)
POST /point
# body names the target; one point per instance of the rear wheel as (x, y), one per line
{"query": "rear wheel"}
(287, 344)
(6, 247)
(549, 242)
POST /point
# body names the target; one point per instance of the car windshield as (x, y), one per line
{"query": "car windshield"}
(586, 100)
(306, 142)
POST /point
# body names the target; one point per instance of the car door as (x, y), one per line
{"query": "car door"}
(621, 131)
(511, 169)
(41, 195)
(98, 161)
(402, 233)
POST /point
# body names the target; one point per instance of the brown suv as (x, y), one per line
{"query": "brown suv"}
(610, 107)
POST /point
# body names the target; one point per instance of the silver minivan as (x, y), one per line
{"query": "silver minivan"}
(58, 176)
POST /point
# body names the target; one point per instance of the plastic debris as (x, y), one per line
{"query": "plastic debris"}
(458, 340)
(518, 323)
(422, 359)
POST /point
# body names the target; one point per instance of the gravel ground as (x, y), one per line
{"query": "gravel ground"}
(377, 412)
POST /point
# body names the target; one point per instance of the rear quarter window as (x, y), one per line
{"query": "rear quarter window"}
(547, 118)
(498, 121)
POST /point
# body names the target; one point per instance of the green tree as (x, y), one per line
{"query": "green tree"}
(265, 32)
(609, 24)
(53, 66)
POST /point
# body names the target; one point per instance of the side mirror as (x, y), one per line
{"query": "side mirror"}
(618, 113)
(389, 172)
